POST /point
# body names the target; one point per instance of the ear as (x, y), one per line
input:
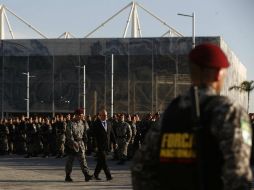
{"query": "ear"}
(219, 74)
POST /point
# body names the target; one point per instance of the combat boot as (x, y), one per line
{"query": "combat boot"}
(88, 177)
(96, 177)
(68, 178)
(109, 178)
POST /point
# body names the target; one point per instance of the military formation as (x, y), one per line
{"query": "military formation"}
(44, 136)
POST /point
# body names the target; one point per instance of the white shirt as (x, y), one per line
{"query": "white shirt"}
(104, 124)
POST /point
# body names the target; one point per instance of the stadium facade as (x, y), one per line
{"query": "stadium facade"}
(148, 73)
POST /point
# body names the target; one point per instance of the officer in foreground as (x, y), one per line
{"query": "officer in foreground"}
(203, 141)
(75, 135)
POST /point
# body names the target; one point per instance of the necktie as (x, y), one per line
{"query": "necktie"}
(104, 125)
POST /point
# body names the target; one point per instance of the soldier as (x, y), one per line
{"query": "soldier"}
(204, 139)
(75, 134)
(45, 132)
(38, 143)
(20, 134)
(144, 126)
(11, 136)
(156, 119)
(31, 132)
(53, 147)
(60, 135)
(90, 138)
(123, 136)
(4, 132)
(131, 149)
(137, 138)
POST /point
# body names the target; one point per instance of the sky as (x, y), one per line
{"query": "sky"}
(230, 19)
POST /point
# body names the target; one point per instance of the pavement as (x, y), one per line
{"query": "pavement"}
(19, 173)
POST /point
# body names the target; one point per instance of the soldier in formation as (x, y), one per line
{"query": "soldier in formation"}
(47, 136)
(46, 132)
(4, 132)
(123, 135)
(60, 135)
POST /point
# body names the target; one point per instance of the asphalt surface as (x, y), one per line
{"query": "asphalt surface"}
(19, 173)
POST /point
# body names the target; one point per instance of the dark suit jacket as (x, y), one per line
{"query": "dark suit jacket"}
(103, 138)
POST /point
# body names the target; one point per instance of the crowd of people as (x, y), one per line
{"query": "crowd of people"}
(44, 136)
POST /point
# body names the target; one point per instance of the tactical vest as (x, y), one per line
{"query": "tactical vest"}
(179, 155)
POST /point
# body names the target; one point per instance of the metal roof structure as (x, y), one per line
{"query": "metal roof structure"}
(66, 35)
(4, 20)
(133, 19)
(135, 22)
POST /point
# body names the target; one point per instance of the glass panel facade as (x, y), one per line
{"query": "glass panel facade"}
(148, 74)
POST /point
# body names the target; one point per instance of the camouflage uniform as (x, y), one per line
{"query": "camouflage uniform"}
(60, 136)
(4, 132)
(11, 136)
(230, 127)
(38, 143)
(53, 147)
(75, 134)
(131, 149)
(144, 125)
(20, 134)
(45, 133)
(31, 132)
(123, 137)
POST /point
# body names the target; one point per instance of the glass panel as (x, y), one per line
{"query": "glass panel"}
(66, 83)
(14, 83)
(164, 95)
(40, 70)
(121, 83)
(141, 83)
(95, 83)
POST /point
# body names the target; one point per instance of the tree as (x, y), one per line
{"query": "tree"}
(245, 86)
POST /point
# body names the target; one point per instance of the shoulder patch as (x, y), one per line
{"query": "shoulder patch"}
(246, 132)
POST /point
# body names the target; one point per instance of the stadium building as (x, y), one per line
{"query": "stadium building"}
(147, 73)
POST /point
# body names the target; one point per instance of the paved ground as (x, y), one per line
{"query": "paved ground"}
(19, 173)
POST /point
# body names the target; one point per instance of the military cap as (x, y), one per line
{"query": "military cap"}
(208, 55)
(79, 111)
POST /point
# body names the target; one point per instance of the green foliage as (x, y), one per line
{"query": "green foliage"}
(245, 86)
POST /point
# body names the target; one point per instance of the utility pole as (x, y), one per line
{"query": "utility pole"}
(193, 26)
(27, 93)
(84, 86)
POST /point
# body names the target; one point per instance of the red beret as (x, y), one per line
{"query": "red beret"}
(208, 55)
(79, 111)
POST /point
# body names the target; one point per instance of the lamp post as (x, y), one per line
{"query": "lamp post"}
(84, 87)
(27, 93)
(112, 85)
(193, 26)
(2, 85)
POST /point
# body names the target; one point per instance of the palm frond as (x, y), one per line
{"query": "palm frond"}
(235, 87)
(245, 86)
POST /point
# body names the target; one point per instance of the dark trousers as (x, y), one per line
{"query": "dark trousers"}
(101, 164)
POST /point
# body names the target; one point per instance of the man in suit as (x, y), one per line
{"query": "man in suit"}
(104, 135)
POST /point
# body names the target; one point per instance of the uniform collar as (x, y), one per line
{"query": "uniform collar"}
(206, 90)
